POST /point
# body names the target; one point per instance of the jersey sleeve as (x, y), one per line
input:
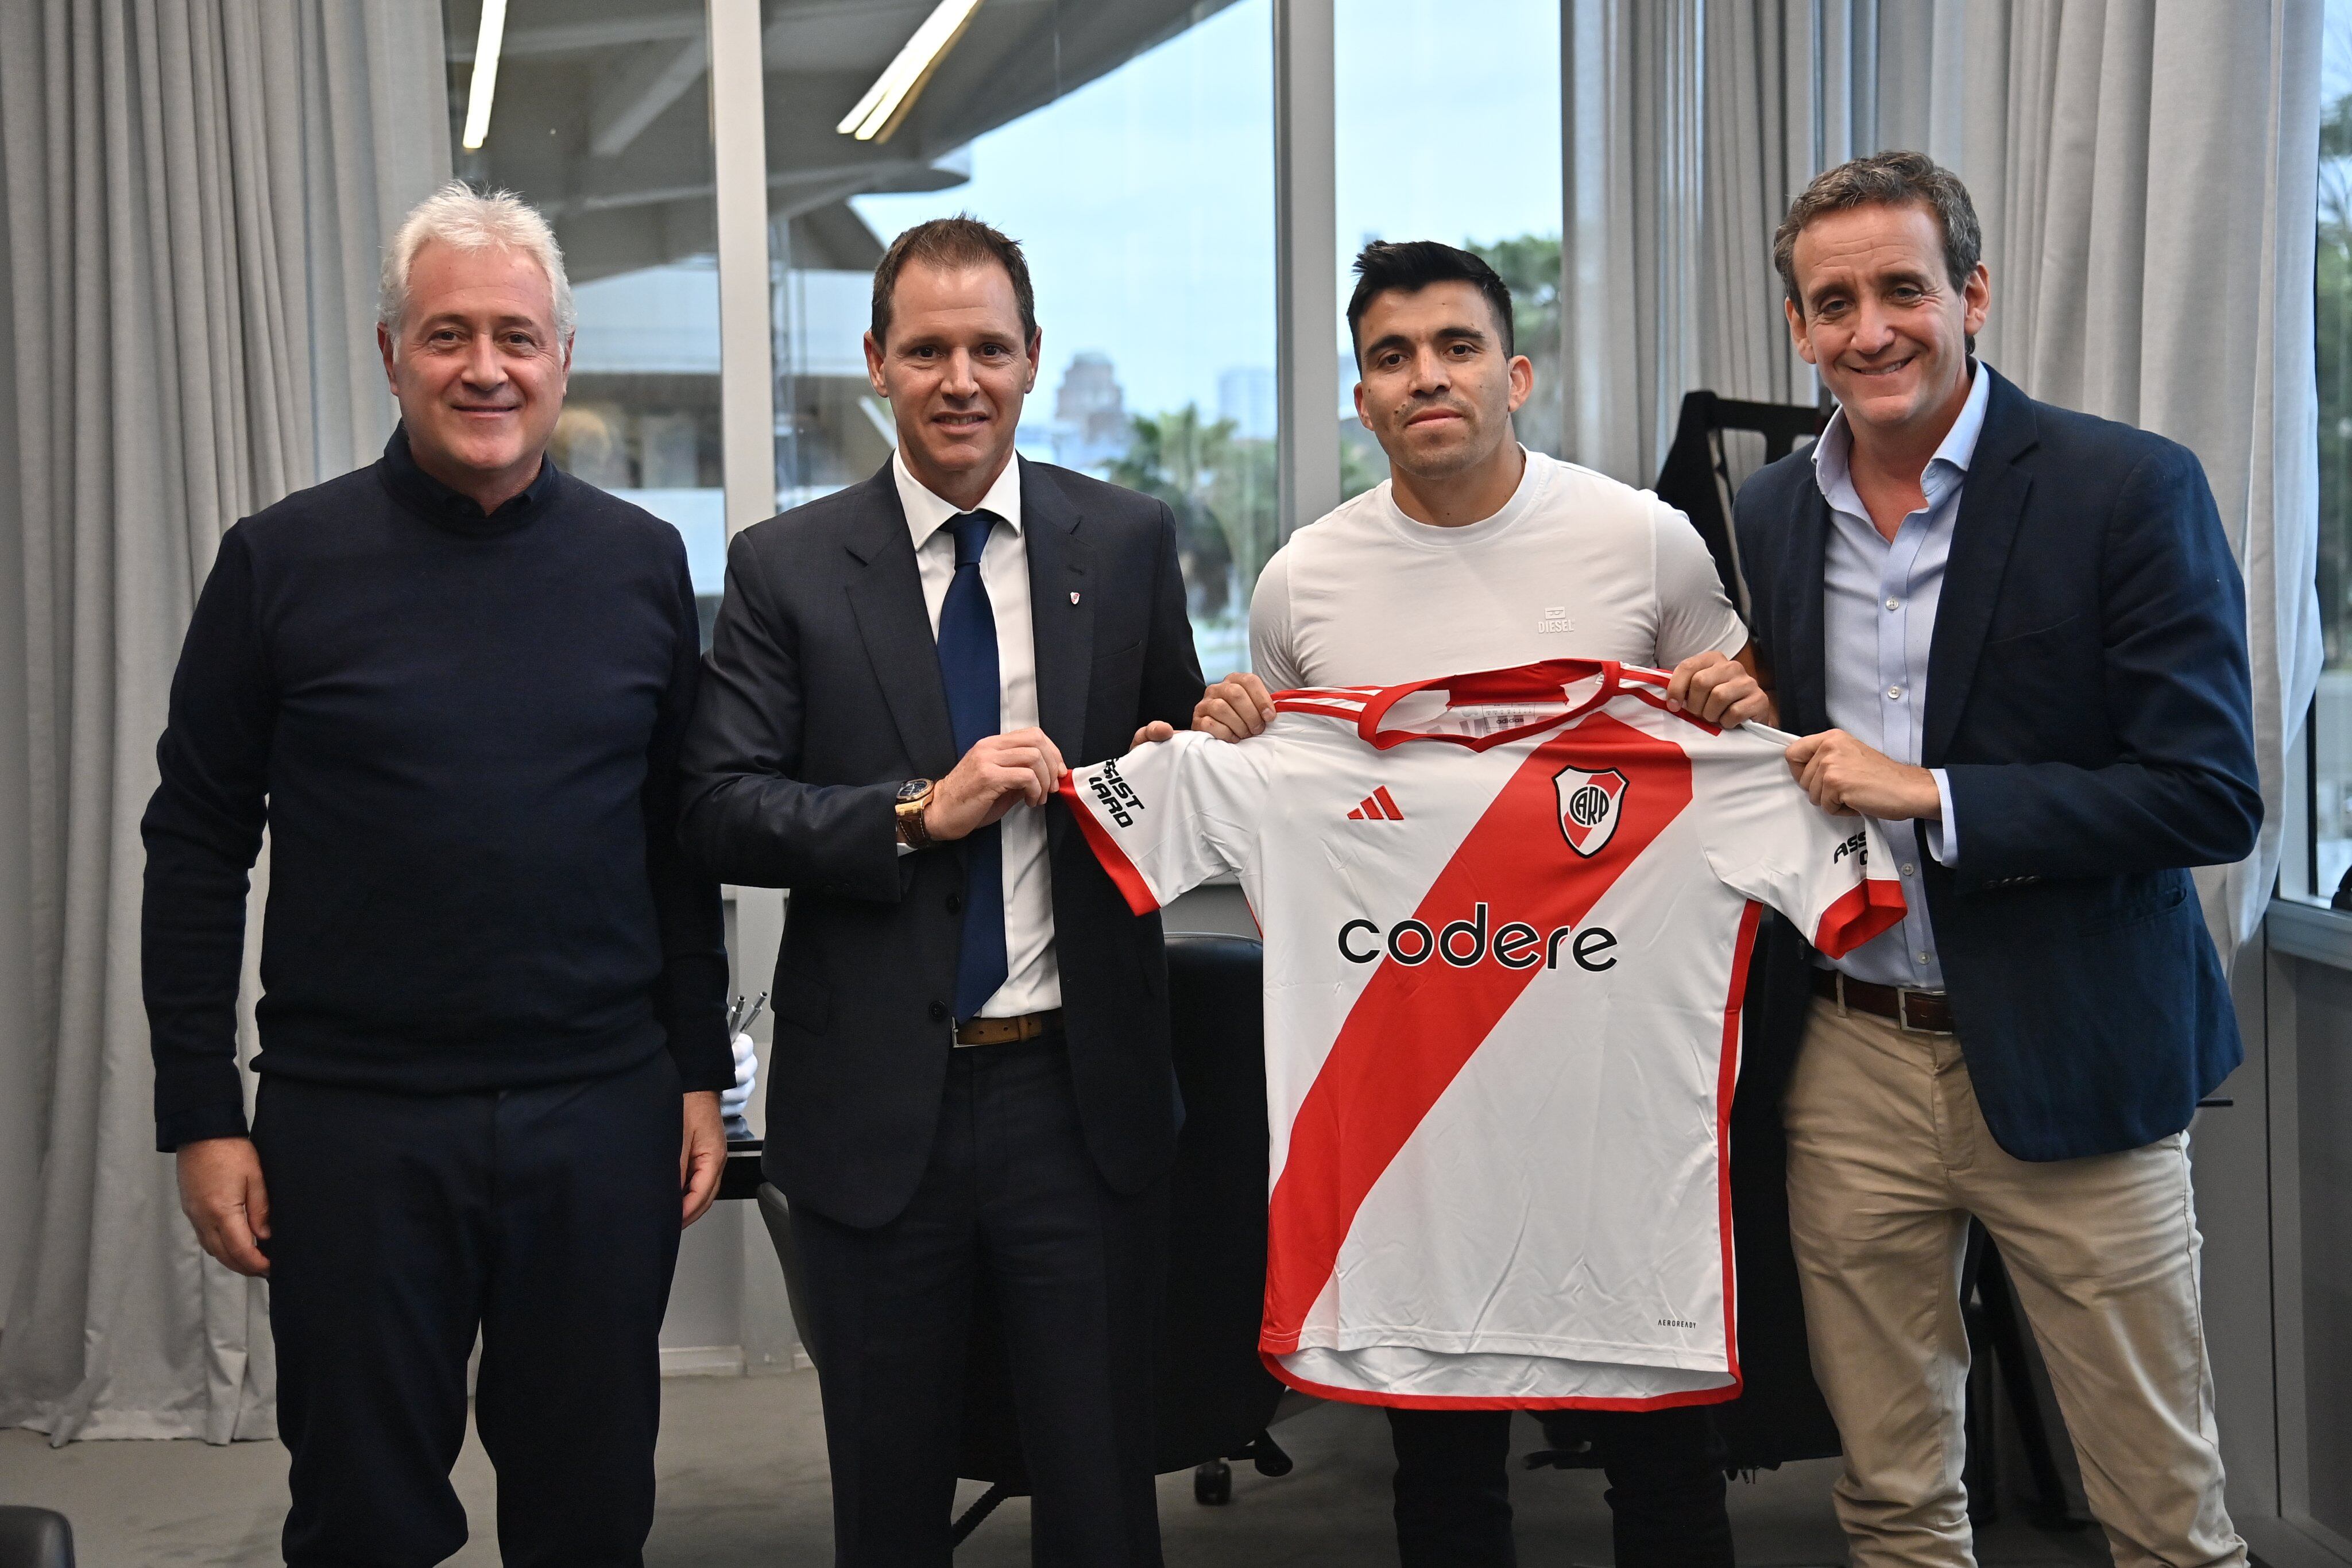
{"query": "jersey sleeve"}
(1832, 876)
(1163, 818)
(1694, 615)
(1274, 654)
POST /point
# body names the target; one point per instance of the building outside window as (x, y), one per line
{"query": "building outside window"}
(601, 120)
(1448, 125)
(1130, 149)
(2331, 720)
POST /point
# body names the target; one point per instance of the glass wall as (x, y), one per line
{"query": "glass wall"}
(2331, 727)
(1130, 149)
(1449, 129)
(601, 120)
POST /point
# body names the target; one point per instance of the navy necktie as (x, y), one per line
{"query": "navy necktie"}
(975, 711)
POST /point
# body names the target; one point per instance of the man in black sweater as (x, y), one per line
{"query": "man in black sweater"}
(452, 684)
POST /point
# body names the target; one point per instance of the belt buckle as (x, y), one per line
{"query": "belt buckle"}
(1902, 994)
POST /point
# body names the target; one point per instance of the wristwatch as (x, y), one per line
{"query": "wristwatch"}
(914, 795)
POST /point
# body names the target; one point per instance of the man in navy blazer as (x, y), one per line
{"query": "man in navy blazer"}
(2014, 633)
(971, 1088)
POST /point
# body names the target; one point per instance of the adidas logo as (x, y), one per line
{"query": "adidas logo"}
(1379, 805)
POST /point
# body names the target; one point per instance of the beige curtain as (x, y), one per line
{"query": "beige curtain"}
(1629, 279)
(195, 194)
(1690, 125)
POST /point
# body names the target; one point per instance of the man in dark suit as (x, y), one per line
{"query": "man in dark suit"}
(970, 1088)
(2014, 633)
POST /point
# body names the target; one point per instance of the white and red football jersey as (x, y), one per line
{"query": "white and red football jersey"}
(1506, 918)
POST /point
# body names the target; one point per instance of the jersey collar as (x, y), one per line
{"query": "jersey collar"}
(1523, 683)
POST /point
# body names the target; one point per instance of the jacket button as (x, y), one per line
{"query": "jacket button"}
(939, 1012)
(955, 903)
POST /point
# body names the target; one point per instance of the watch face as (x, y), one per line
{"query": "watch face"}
(914, 788)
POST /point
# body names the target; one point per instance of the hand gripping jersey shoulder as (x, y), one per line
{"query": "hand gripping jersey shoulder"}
(1506, 929)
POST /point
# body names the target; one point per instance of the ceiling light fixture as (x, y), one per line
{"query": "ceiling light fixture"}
(894, 92)
(485, 73)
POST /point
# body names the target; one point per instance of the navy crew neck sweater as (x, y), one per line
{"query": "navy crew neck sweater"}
(461, 732)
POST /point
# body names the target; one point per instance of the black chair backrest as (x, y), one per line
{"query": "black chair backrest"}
(34, 1538)
(1214, 1392)
(1696, 478)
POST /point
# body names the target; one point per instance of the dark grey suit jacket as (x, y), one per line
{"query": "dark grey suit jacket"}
(821, 694)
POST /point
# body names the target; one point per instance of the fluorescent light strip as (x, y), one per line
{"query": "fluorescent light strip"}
(886, 103)
(485, 74)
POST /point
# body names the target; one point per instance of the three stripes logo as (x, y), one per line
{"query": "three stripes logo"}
(1379, 805)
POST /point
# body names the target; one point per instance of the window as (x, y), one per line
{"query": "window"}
(603, 122)
(2331, 720)
(1131, 150)
(1409, 76)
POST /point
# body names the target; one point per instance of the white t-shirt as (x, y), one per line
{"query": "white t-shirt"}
(1576, 564)
(1507, 919)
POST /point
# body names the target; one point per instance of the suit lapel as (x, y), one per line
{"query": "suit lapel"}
(1801, 676)
(886, 598)
(1992, 504)
(1061, 613)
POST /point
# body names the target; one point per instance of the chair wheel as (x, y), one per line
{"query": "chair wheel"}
(1212, 1483)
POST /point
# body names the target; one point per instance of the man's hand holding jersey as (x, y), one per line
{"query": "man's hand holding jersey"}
(1847, 779)
(1721, 690)
(1234, 710)
(999, 772)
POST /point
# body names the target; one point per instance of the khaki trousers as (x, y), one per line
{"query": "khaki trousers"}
(1889, 1157)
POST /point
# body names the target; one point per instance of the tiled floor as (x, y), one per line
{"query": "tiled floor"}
(743, 1483)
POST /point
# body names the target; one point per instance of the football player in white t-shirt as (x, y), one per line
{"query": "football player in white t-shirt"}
(1479, 554)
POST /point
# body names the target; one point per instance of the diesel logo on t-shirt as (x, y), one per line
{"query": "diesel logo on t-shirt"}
(1555, 620)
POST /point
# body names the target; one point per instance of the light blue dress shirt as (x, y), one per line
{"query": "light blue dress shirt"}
(1878, 616)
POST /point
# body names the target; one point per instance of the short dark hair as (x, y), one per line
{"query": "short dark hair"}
(1408, 266)
(958, 242)
(1892, 180)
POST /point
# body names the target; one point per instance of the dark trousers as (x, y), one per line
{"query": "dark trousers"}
(1010, 1203)
(1452, 1488)
(548, 1219)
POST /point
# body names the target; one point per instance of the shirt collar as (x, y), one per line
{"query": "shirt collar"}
(926, 514)
(437, 503)
(1834, 450)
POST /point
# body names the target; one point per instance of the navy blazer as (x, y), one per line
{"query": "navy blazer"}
(2088, 697)
(821, 694)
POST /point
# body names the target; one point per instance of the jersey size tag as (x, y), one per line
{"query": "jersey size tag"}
(1484, 719)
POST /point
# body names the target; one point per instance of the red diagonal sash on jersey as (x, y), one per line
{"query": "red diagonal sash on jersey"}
(1414, 1026)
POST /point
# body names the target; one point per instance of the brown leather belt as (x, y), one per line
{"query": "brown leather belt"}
(1916, 1012)
(1006, 1031)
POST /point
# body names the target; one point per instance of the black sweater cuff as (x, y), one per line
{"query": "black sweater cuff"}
(705, 1056)
(194, 1123)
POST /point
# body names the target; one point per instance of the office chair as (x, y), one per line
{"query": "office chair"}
(1696, 478)
(34, 1538)
(1216, 1397)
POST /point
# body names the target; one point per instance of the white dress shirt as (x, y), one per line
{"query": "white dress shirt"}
(1878, 615)
(1032, 981)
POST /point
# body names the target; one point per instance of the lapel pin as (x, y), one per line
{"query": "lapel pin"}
(1074, 599)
